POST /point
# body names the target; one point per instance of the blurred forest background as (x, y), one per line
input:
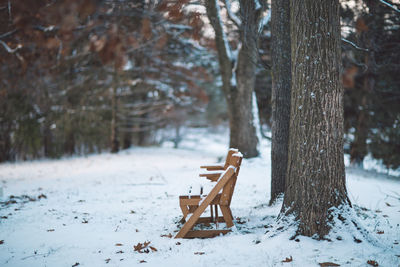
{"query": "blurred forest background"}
(88, 76)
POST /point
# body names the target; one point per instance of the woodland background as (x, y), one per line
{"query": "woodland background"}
(80, 77)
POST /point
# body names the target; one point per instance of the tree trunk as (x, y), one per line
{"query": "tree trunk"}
(238, 77)
(316, 176)
(368, 38)
(47, 139)
(114, 126)
(281, 82)
(127, 140)
(69, 144)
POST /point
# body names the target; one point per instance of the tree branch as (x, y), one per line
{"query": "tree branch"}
(389, 5)
(231, 15)
(354, 45)
(213, 13)
(4, 35)
(9, 49)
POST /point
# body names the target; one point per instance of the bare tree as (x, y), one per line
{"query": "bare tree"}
(238, 72)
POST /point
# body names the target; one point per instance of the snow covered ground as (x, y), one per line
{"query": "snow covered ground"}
(92, 211)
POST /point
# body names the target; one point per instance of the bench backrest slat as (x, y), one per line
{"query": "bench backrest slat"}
(227, 191)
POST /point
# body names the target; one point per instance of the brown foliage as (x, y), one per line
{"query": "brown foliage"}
(361, 26)
(348, 77)
(146, 29)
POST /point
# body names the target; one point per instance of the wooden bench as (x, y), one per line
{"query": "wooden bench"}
(220, 196)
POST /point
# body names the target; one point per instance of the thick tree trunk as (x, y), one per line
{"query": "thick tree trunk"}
(316, 176)
(238, 86)
(281, 83)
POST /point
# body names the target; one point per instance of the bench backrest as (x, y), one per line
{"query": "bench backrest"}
(227, 192)
(231, 151)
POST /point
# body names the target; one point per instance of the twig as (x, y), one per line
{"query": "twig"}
(231, 15)
(354, 45)
(7, 34)
(9, 11)
(42, 254)
(9, 49)
(389, 5)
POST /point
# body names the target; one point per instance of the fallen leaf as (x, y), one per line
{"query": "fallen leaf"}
(107, 260)
(380, 232)
(373, 263)
(357, 240)
(288, 259)
(50, 230)
(42, 196)
(153, 249)
(118, 245)
(76, 264)
(240, 220)
(199, 253)
(142, 261)
(327, 264)
(142, 247)
(169, 235)
(1, 242)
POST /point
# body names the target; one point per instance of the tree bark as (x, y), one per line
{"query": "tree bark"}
(238, 75)
(316, 176)
(281, 83)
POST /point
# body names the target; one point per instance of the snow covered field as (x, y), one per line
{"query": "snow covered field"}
(92, 211)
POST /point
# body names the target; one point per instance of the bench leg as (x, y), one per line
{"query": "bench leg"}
(226, 212)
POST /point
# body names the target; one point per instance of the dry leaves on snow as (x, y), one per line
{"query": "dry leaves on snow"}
(288, 259)
(328, 264)
(144, 247)
(169, 235)
(373, 263)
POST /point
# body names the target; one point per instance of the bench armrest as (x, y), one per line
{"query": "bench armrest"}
(213, 176)
(213, 167)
